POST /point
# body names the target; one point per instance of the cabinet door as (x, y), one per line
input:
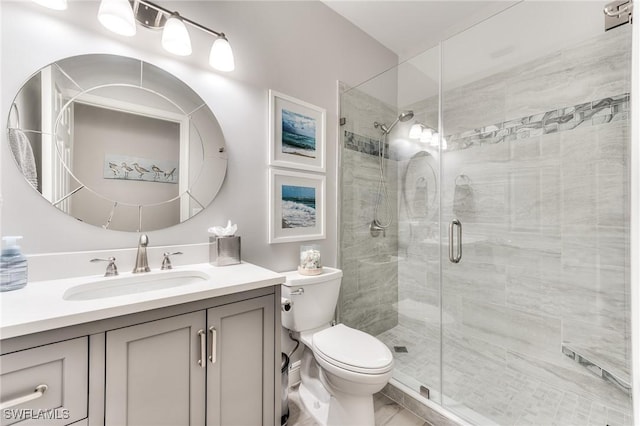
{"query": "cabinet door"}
(241, 363)
(153, 373)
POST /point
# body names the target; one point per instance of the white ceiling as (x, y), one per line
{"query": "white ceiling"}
(411, 27)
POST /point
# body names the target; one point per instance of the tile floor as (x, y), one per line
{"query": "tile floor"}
(387, 413)
(508, 391)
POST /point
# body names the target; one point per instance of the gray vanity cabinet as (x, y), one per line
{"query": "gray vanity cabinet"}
(152, 373)
(214, 366)
(240, 379)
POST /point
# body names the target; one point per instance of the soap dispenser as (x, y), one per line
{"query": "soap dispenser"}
(13, 265)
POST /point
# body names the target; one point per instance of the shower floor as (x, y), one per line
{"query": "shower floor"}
(485, 389)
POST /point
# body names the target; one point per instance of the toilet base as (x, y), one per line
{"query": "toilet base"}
(346, 410)
(331, 410)
(313, 405)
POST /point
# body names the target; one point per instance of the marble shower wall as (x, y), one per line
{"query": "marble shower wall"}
(536, 169)
(369, 291)
(542, 150)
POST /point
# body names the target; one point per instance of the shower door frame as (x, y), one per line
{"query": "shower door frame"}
(634, 224)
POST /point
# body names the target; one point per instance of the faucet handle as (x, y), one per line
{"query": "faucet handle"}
(166, 262)
(112, 269)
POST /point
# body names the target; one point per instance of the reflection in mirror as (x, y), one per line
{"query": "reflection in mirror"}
(420, 186)
(117, 142)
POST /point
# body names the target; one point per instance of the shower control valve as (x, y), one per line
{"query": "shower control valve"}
(375, 229)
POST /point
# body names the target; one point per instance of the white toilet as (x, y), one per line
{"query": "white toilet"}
(341, 367)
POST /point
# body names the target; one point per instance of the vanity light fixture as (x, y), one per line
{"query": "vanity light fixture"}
(423, 133)
(53, 4)
(175, 37)
(221, 55)
(435, 140)
(117, 16)
(427, 135)
(415, 131)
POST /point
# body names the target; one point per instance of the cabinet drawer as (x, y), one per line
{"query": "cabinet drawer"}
(63, 367)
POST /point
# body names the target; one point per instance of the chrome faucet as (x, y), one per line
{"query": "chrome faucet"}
(142, 264)
(112, 269)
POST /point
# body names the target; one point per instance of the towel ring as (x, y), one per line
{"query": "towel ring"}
(16, 114)
(465, 180)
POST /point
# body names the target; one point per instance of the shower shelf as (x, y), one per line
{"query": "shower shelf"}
(601, 371)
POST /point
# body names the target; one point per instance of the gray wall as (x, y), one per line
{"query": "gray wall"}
(99, 132)
(297, 48)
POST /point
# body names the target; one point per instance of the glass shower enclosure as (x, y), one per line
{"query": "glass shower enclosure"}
(499, 275)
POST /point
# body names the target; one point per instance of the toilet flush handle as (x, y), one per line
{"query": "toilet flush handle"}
(297, 292)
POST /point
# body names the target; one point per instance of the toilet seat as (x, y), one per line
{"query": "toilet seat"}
(352, 350)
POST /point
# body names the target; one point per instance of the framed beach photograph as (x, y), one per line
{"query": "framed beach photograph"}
(296, 206)
(296, 133)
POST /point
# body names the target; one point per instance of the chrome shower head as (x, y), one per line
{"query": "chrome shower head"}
(404, 116)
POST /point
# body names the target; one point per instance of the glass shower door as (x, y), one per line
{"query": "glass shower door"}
(391, 282)
(535, 313)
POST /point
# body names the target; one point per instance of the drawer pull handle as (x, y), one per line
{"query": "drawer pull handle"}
(37, 393)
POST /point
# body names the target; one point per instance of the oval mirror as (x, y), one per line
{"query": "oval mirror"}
(117, 142)
(420, 186)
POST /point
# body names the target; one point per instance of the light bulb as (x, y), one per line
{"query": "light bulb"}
(53, 4)
(415, 131)
(117, 16)
(435, 139)
(426, 136)
(221, 56)
(175, 37)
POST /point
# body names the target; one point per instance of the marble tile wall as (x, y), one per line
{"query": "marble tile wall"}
(545, 259)
(545, 219)
(545, 230)
(369, 292)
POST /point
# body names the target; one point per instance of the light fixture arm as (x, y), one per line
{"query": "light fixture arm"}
(120, 16)
(169, 13)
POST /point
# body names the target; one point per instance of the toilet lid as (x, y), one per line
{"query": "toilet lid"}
(352, 350)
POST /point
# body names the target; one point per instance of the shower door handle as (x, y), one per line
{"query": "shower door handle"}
(455, 255)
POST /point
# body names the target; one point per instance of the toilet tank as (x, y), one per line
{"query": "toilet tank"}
(313, 298)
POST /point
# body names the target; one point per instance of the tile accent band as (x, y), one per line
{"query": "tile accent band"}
(601, 111)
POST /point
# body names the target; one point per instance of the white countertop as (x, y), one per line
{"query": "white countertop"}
(40, 305)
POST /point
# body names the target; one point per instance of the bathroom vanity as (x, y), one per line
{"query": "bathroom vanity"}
(193, 354)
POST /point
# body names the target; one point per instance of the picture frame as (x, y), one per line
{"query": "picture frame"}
(297, 133)
(297, 206)
(127, 167)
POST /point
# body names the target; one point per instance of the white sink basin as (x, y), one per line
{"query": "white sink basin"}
(133, 284)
